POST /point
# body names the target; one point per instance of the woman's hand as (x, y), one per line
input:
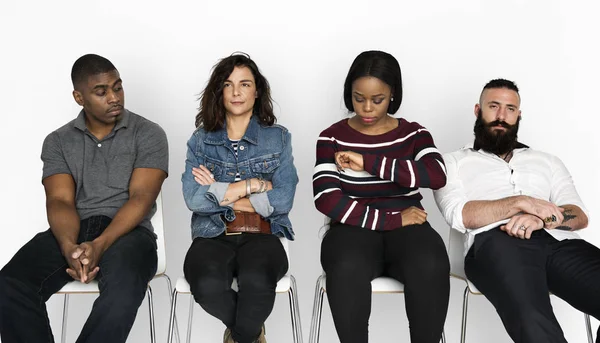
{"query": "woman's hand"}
(203, 176)
(349, 159)
(413, 216)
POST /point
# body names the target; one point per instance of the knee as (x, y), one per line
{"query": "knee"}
(207, 286)
(256, 280)
(348, 267)
(431, 264)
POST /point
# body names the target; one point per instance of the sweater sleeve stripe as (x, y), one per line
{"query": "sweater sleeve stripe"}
(412, 174)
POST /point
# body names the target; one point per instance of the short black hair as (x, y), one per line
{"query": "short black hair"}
(88, 65)
(380, 65)
(500, 83)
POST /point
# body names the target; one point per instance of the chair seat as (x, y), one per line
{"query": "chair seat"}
(382, 284)
(283, 286)
(74, 286)
(386, 284)
(79, 287)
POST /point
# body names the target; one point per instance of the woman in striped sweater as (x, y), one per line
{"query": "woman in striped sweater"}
(367, 176)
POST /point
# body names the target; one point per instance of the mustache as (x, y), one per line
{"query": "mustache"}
(114, 108)
(499, 123)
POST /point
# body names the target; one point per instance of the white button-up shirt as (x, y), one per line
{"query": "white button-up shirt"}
(479, 175)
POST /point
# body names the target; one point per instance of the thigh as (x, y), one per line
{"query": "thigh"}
(40, 265)
(509, 271)
(415, 251)
(350, 250)
(132, 256)
(574, 274)
(260, 256)
(210, 258)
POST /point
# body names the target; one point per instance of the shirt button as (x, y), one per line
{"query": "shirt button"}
(99, 145)
(241, 147)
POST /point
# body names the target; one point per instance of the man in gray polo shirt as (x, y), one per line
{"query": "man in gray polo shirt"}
(102, 173)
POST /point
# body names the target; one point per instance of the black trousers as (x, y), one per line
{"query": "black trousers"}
(516, 275)
(414, 255)
(38, 270)
(258, 261)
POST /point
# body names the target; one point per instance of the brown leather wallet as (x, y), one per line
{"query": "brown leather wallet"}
(247, 222)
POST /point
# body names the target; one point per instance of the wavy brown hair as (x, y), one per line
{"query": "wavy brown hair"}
(211, 113)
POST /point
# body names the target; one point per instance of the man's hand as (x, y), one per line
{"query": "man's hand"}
(522, 225)
(349, 159)
(413, 215)
(89, 254)
(71, 252)
(543, 210)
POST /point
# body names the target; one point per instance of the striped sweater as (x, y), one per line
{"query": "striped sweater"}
(396, 163)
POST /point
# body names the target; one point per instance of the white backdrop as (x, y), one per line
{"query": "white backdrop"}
(447, 50)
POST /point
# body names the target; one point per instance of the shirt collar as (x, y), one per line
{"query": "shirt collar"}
(122, 123)
(219, 137)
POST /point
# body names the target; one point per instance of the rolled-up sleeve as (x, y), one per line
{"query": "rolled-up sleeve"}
(563, 190)
(451, 199)
(203, 200)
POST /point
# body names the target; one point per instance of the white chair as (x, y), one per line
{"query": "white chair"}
(457, 270)
(286, 285)
(76, 287)
(380, 285)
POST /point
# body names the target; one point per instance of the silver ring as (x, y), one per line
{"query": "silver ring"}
(522, 228)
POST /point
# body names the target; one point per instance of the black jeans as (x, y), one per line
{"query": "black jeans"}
(257, 260)
(38, 270)
(414, 255)
(516, 275)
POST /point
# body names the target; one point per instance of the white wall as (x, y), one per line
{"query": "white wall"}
(447, 50)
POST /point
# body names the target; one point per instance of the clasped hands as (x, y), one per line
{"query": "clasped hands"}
(83, 260)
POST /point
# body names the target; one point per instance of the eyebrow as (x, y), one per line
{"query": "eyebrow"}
(106, 86)
(376, 95)
(497, 103)
(228, 80)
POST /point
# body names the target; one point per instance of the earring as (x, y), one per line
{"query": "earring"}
(392, 99)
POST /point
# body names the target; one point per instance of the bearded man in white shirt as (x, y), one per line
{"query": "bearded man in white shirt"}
(518, 208)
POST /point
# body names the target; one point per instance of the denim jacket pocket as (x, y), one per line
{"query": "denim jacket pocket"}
(215, 168)
(265, 166)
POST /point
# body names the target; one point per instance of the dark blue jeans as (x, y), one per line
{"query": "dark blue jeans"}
(38, 270)
(516, 275)
(257, 260)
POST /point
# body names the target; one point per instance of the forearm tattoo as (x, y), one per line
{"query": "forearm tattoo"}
(568, 215)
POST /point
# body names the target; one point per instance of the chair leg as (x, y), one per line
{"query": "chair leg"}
(588, 327)
(170, 288)
(172, 316)
(190, 316)
(295, 311)
(315, 324)
(463, 329)
(63, 334)
(151, 311)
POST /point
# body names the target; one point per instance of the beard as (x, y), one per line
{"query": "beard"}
(495, 141)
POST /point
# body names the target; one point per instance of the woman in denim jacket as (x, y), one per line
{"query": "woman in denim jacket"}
(239, 182)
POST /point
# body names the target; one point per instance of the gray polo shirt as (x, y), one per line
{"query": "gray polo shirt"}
(102, 169)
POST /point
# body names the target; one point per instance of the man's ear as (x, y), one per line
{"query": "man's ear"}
(78, 97)
(476, 110)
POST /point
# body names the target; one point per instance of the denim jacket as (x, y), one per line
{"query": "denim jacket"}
(264, 152)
